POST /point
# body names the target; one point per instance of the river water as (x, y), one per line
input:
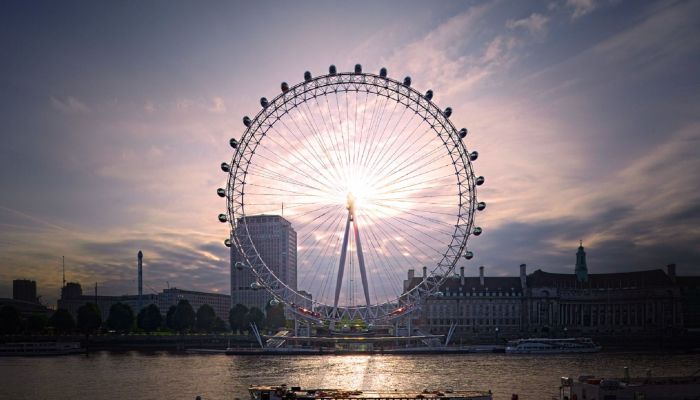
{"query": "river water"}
(161, 375)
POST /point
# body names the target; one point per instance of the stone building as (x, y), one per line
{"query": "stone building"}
(544, 303)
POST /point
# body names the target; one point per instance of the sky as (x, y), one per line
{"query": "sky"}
(115, 117)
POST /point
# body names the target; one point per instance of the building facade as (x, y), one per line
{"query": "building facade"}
(24, 290)
(543, 303)
(73, 298)
(170, 297)
(276, 241)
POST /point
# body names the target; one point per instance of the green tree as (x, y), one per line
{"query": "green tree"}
(184, 317)
(10, 320)
(36, 323)
(62, 321)
(219, 325)
(170, 318)
(89, 318)
(255, 316)
(121, 318)
(205, 318)
(149, 318)
(237, 317)
(274, 316)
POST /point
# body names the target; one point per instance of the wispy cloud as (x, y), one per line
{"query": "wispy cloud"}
(536, 24)
(581, 7)
(69, 105)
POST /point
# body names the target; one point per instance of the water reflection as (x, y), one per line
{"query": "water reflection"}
(138, 376)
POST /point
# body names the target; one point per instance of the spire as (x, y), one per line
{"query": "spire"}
(581, 269)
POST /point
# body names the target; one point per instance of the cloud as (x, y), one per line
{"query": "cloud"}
(581, 7)
(536, 24)
(218, 105)
(69, 105)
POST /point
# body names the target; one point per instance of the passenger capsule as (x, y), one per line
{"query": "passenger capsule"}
(285, 87)
(429, 95)
(227, 242)
(473, 155)
(239, 265)
(255, 286)
(439, 294)
(246, 120)
(233, 142)
(332, 70)
(358, 68)
(477, 231)
(225, 167)
(468, 255)
(407, 81)
(263, 102)
(307, 76)
(448, 112)
(480, 180)
(382, 72)
(222, 218)
(481, 206)
(463, 133)
(274, 302)
(221, 192)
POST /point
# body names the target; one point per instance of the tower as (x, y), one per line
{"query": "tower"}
(140, 263)
(581, 269)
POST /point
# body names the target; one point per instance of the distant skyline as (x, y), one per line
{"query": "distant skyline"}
(116, 116)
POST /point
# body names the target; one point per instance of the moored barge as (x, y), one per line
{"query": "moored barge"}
(284, 392)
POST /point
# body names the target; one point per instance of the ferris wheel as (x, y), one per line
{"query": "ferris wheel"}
(374, 179)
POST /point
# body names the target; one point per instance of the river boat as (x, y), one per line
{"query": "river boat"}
(552, 346)
(40, 348)
(647, 388)
(283, 392)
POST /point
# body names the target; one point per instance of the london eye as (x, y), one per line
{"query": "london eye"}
(375, 180)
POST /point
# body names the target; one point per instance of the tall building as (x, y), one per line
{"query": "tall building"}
(24, 290)
(276, 241)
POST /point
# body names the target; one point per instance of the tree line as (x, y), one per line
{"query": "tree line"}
(121, 319)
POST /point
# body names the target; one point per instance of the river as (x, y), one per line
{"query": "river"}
(162, 375)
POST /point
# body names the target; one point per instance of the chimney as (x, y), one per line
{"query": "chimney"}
(411, 274)
(481, 275)
(461, 276)
(671, 271)
(140, 262)
(523, 276)
(425, 273)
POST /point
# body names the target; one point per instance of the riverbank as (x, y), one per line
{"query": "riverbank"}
(244, 344)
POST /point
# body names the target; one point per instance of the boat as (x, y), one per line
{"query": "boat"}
(552, 346)
(647, 388)
(40, 348)
(283, 392)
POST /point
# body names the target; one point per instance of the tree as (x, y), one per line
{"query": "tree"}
(255, 316)
(170, 318)
(219, 325)
(62, 321)
(184, 317)
(274, 316)
(121, 317)
(10, 320)
(36, 323)
(205, 318)
(237, 317)
(89, 318)
(149, 318)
